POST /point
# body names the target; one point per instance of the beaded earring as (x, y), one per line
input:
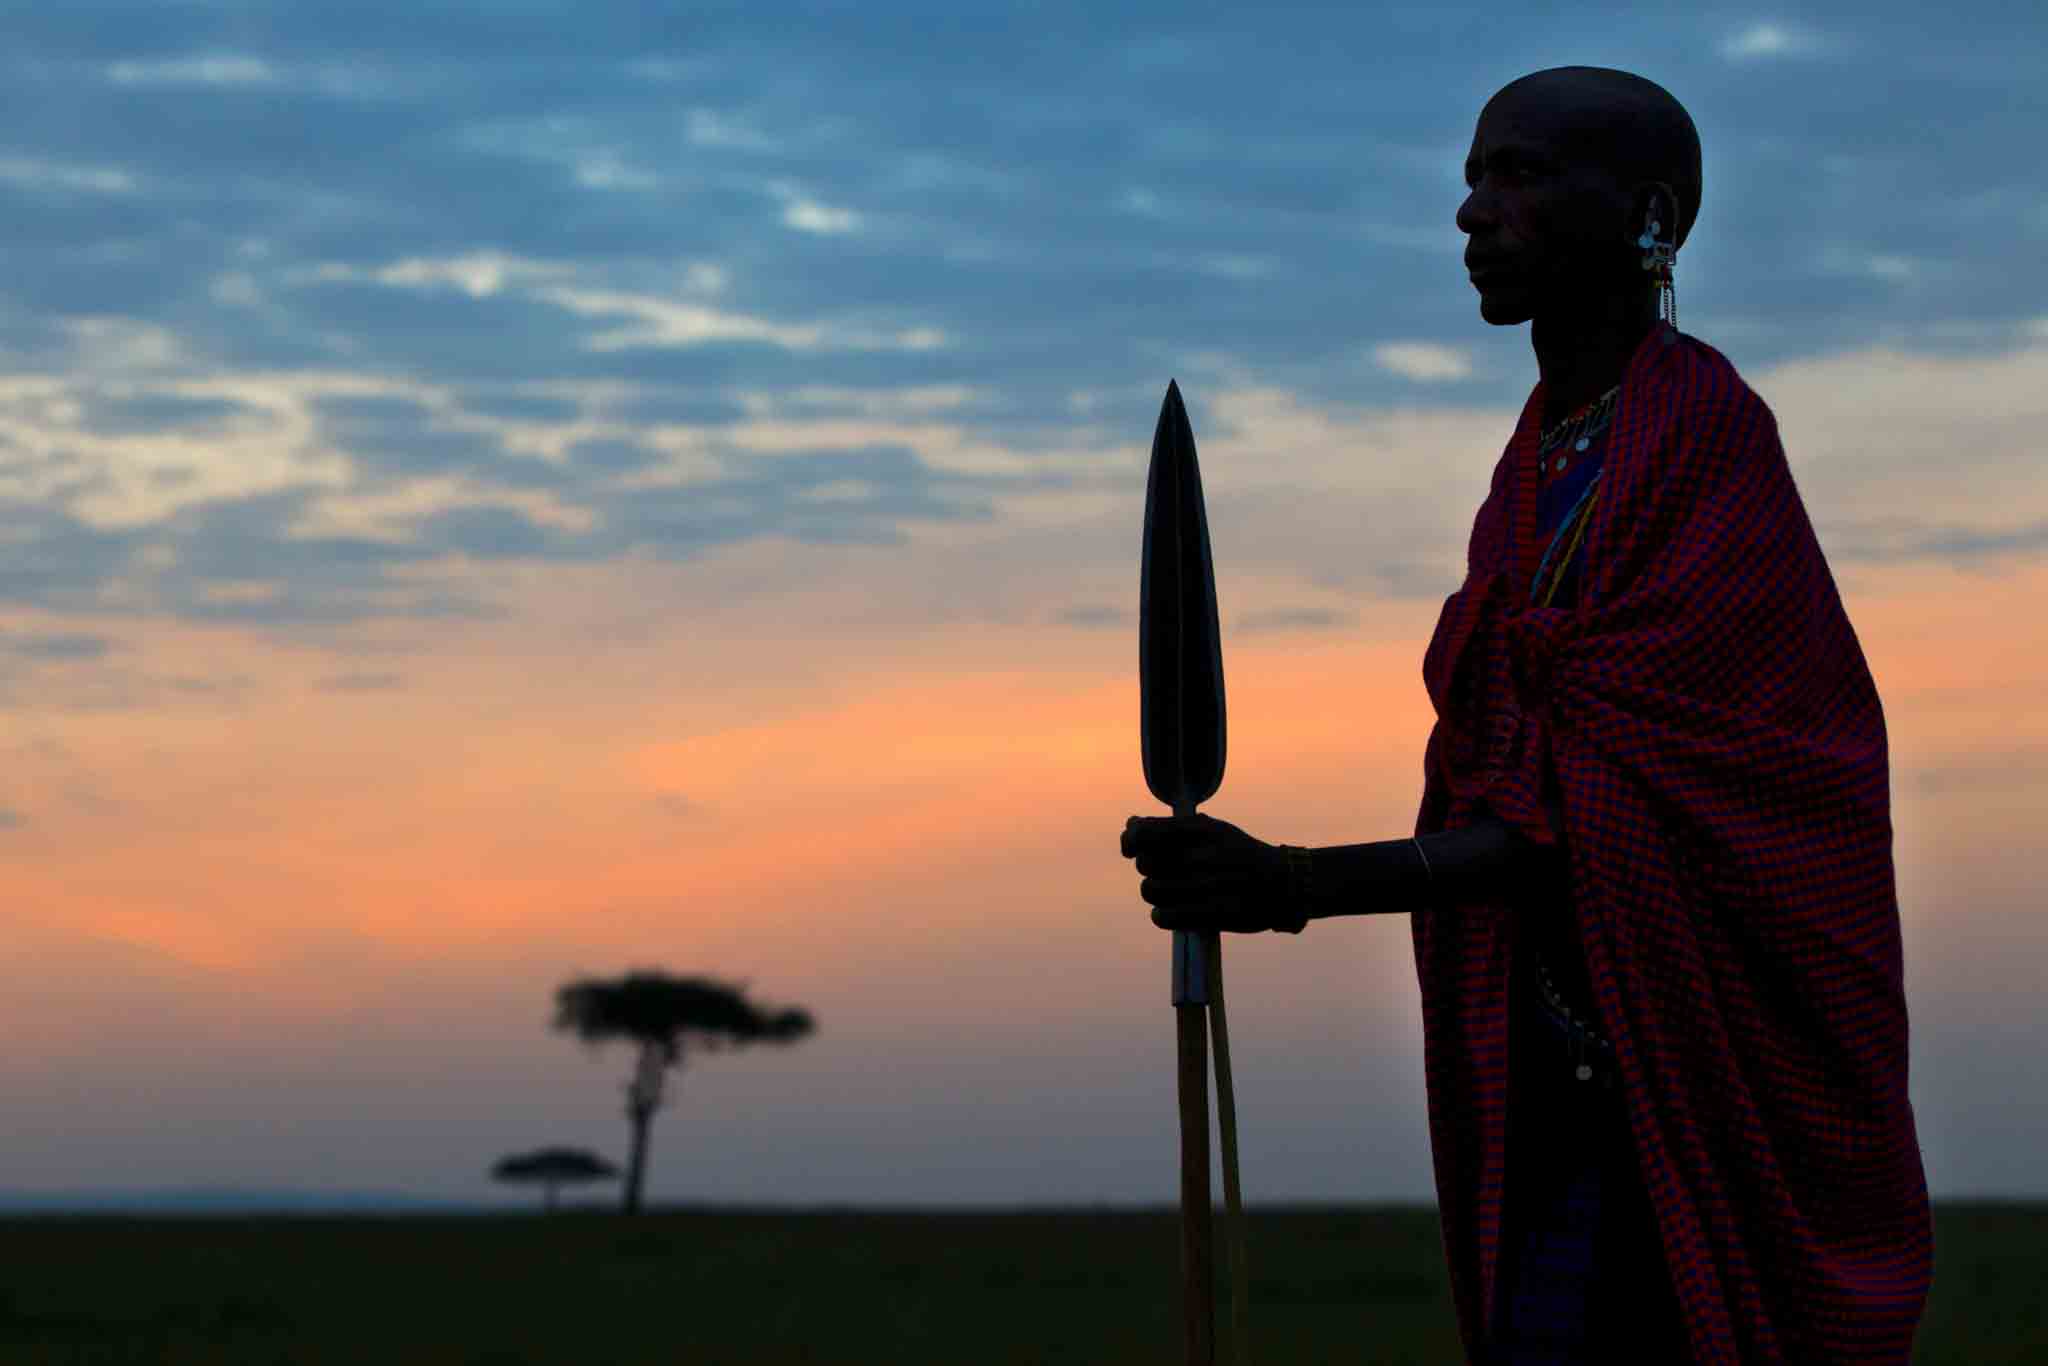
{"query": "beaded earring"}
(1660, 258)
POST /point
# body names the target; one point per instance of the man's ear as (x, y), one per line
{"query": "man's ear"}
(1657, 196)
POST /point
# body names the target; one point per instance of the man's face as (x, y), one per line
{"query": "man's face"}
(1546, 227)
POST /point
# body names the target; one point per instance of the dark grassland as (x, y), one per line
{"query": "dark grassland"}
(882, 1289)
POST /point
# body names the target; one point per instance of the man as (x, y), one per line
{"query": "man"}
(1651, 884)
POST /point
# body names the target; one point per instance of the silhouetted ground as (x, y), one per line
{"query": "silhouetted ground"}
(1328, 1285)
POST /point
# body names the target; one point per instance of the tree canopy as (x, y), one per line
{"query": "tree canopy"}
(554, 1164)
(551, 1168)
(648, 1006)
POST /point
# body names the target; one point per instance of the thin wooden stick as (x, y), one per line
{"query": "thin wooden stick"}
(1226, 1123)
(1198, 1288)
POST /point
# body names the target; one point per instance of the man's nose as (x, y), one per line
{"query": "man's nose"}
(1474, 214)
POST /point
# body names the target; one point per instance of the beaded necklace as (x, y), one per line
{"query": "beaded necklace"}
(1574, 522)
(1585, 424)
(1595, 411)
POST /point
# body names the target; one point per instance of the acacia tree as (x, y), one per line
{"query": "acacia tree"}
(551, 1168)
(666, 1017)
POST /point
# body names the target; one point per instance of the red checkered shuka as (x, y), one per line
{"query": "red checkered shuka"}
(1707, 721)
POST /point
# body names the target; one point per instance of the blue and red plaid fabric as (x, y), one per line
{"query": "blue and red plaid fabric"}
(1713, 732)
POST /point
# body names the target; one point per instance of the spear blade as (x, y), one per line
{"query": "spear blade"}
(1180, 650)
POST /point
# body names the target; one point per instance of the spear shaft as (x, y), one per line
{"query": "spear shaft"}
(1198, 1276)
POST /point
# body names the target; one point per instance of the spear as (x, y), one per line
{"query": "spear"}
(1181, 736)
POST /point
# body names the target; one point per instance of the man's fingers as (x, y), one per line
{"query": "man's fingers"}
(1205, 917)
(1169, 891)
(1175, 859)
(1147, 832)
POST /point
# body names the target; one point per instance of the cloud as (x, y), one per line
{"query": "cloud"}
(1916, 456)
(1891, 267)
(62, 645)
(1292, 619)
(668, 322)
(323, 497)
(1424, 362)
(27, 173)
(606, 170)
(806, 214)
(1094, 617)
(360, 682)
(1769, 40)
(2020, 767)
(479, 274)
(212, 69)
(1895, 540)
(711, 128)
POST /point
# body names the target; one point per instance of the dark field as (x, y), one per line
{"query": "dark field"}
(1329, 1285)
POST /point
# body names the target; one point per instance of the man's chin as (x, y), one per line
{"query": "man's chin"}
(1506, 307)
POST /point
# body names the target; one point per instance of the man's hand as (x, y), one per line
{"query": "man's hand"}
(1204, 874)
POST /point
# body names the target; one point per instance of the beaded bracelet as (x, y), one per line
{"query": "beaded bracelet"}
(1300, 885)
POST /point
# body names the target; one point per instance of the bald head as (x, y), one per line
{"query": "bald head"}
(1568, 167)
(1620, 122)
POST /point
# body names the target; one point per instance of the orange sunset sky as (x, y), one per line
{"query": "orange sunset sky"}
(883, 782)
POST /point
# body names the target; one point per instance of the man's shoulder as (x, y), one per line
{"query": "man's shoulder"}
(1702, 387)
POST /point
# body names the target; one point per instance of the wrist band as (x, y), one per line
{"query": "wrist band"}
(1300, 885)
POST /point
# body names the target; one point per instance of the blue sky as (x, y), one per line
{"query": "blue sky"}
(384, 386)
(617, 216)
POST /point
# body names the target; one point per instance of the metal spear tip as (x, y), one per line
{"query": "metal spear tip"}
(1180, 661)
(1172, 411)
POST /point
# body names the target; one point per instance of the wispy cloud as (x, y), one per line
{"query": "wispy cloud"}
(800, 210)
(211, 68)
(671, 322)
(710, 128)
(1092, 617)
(1905, 539)
(608, 170)
(1764, 41)
(1892, 267)
(1425, 362)
(53, 645)
(479, 274)
(229, 71)
(360, 682)
(1292, 619)
(29, 173)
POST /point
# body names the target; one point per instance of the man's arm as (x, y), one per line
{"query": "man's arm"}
(1485, 861)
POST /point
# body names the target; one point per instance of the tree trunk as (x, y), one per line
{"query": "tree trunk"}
(636, 1165)
(643, 1098)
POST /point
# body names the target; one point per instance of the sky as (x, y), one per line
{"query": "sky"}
(495, 496)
